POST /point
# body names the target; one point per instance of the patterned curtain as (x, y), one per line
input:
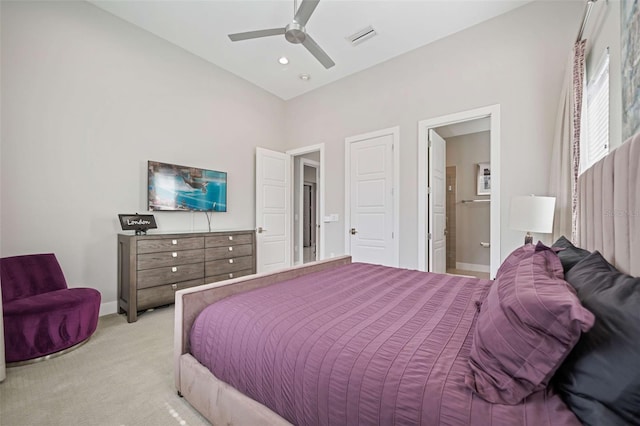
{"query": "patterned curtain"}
(578, 86)
(565, 159)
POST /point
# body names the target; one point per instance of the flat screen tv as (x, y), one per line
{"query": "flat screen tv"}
(181, 188)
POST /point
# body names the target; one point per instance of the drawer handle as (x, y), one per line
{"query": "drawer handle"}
(230, 248)
(230, 237)
(230, 260)
(174, 242)
(174, 286)
(174, 254)
(174, 269)
(230, 275)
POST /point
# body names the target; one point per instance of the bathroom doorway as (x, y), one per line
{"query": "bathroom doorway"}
(470, 231)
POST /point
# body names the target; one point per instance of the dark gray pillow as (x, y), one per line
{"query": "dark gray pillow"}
(600, 380)
(570, 255)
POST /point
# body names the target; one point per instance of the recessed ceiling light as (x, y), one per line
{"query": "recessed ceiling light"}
(283, 60)
(305, 77)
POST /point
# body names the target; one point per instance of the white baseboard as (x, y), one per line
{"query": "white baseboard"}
(108, 308)
(472, 267)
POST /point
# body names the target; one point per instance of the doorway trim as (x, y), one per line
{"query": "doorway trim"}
(493, 112)
(395, 132)
(314, 164)
(320, 188)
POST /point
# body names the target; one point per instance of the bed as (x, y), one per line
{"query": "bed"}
(348, 373)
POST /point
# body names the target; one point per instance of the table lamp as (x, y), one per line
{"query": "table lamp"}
(531, 213)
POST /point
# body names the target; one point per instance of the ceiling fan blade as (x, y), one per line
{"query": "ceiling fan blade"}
(256, 34)
(317, 51)
(305, 10)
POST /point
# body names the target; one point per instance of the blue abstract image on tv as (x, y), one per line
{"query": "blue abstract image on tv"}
(181, 188)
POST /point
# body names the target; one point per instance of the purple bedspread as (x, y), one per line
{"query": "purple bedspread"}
(360, 345)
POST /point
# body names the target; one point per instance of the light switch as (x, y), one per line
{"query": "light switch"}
(333, 217)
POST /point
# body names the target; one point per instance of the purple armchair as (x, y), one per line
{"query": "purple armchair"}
(41, 314)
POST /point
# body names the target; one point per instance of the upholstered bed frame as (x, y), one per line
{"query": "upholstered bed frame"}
(609, 207)
(609, 221)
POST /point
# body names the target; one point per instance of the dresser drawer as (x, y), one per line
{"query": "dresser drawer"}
(152, 267)
(170, 258)
(162, 295)
(228, 276)
(169, 274)
(226, 240)
(224, 266)
(170, 244)
(228, 252)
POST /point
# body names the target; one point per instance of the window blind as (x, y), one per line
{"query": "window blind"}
(595, 144)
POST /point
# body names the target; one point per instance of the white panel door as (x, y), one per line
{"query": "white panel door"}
(273, 210)
(437, 203)
(371, 201)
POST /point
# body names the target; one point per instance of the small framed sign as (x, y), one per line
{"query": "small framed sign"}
(137, 222)
(484, 179)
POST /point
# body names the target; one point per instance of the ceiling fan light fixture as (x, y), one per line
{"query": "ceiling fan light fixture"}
(283, 60)
(305, 77)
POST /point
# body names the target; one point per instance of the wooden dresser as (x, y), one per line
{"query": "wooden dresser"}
(152, 267)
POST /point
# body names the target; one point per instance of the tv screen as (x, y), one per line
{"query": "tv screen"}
(181, 188)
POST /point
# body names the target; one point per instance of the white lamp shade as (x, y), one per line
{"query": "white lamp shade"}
(532, 214)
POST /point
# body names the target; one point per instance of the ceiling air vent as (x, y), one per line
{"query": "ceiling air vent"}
(362, 35)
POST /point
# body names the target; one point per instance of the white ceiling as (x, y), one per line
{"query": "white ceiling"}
(201, 27)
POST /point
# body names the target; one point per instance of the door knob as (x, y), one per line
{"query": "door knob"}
(353, 231)
(260, 230)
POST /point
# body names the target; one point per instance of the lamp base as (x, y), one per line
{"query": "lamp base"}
(528, 239)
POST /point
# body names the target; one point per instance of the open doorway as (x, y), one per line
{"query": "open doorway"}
(459, 195)
(279, 199)
(308, 204)
(306, 219)
(468, 197)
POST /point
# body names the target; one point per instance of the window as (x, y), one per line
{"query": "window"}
(595, 140)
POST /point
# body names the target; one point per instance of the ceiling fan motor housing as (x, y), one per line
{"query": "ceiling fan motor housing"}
(295, 33)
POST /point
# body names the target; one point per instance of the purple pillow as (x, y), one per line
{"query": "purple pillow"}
(528, 324)
(526, 251)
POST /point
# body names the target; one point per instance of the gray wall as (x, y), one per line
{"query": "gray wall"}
(516, 60)
(472, 219)
(87, 99)
(3, 373)
(309, 174)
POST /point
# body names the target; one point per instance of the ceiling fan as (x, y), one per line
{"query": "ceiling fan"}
(295, 32)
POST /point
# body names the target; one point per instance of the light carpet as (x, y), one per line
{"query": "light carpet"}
(122, 376)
